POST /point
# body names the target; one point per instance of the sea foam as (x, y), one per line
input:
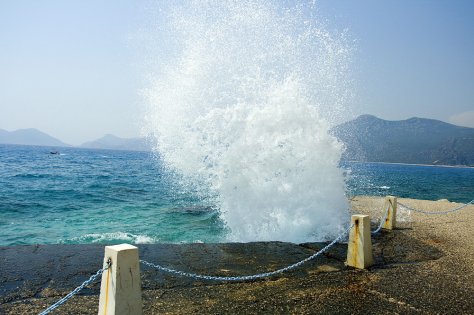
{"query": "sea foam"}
(111, 237)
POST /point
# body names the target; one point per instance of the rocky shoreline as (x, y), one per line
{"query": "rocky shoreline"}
(425, 266)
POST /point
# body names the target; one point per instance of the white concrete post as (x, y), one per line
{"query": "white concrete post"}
(120, 289)
(391, 219)
(359, 251)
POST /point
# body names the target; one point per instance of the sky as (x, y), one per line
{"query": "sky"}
(73, 69)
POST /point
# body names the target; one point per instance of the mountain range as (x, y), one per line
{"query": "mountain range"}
(366, 139)
(112, 142)
(35, 137)
(414, 141)
(30, 137)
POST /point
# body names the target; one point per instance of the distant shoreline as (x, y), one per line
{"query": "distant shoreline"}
(414, 164)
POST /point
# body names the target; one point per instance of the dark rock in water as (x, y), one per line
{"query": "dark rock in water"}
(194, 209)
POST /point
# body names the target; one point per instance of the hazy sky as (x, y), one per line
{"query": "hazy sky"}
(72, 68)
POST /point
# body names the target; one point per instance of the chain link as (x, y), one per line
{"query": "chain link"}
(250, 277)
(382, 221)
(74, 292)
(435, 212)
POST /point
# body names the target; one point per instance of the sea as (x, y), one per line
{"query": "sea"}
(78, 196)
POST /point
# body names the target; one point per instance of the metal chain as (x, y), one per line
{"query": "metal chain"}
(382, 221)
(434, 212)
(74, 292)
(250, 277)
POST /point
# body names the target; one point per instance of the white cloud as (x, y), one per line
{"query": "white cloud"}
(465, 119)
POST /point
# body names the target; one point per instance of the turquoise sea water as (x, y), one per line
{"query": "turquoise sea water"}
(411, 181)
(89, 196)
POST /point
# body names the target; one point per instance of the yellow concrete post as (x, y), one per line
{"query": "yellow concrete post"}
(120, 289)
(359, 251)
(391, 218)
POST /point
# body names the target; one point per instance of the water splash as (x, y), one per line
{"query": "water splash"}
(242, 106)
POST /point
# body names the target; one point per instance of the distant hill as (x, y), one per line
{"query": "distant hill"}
(415, 140)
(29, 137)
(112, 142)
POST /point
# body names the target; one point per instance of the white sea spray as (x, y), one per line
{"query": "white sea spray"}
(243, 108)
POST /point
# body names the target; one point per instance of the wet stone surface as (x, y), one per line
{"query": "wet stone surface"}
(45, 270)
(423, 267)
